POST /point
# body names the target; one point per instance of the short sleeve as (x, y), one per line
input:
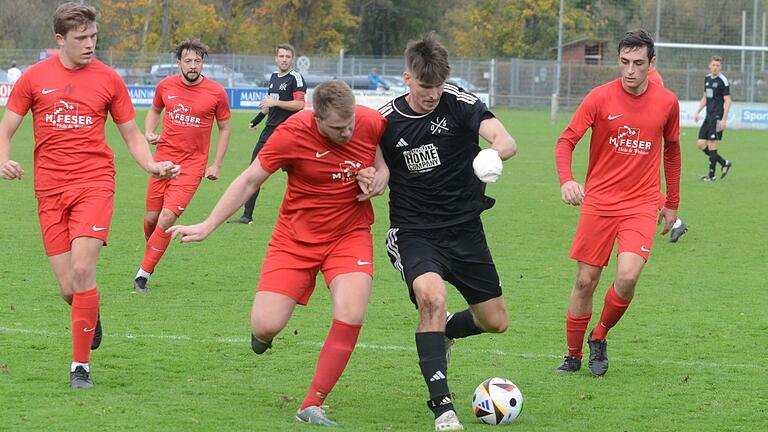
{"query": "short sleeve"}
(20, 99)
(121, 107)
(222, 106)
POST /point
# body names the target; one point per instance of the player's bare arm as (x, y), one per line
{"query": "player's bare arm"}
(294, 105)
(222, 143)
(702, 104)
(234, 197)
(373, 180)
(9, 169)
(726, 108)
(668, 216)
(493, 131)
(137, 146)
(150, 124)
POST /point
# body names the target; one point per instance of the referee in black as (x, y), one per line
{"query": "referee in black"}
(717, 99)
(436, 196)
(287, 90)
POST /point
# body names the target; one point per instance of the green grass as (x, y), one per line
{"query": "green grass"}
(689, 355)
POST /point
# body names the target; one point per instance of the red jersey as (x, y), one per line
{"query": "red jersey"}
(625, 150)
(320, 201)
(655, 77)
(188, 120)
(69, 110)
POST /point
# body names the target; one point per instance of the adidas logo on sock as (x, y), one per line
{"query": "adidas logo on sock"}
(437, 376)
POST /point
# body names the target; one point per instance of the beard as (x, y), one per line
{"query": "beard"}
(191, 76)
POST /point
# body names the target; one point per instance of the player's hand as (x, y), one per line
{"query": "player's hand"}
(696, 118)
(365, 179)
(152, 137)
(212, 173)
(377, 185)
(722, 124)
(11, 170)
(268, 103)
(189, 233)
(572, 193)
(669, 217)
(487, 165)
(164, 169)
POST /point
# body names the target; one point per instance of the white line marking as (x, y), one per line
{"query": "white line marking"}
(374, 347)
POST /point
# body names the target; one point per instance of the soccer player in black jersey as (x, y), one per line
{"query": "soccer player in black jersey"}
(287, 90)
(717, 99)
(436, 196)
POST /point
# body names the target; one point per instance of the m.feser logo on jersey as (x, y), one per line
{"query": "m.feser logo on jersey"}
(181, 115)
(421, 159)
(66, 115)
(627, 141)
(347, 171)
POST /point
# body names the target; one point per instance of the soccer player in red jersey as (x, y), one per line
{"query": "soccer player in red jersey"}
(622, 194)
(191, 103)
(70, 96)
(324, 225)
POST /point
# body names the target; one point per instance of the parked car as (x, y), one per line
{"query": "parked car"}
(461, 82)
(222, 74)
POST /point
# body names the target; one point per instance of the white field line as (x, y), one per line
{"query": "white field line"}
(237, 340)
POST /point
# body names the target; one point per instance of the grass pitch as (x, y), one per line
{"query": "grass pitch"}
(689, 355)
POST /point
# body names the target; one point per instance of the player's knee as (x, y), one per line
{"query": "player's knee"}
(151, 218)
(497, 323)
(431, 305)
(625, 285)
(81, 274)
(167, 219)
(585, 284)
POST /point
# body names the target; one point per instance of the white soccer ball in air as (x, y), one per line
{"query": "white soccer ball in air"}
(497, 401)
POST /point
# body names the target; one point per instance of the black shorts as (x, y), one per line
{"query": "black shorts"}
(459, 254)
(709, 129)
(265, 134)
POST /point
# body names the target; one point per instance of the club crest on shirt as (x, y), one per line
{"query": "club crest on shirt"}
(181, 115)
(347, 171)
(627, 141)
(66, 115)
(438, 125)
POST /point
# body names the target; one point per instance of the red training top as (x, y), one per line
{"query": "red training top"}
(188, 121)
(69, 110)
(625, 150)
(320, 201)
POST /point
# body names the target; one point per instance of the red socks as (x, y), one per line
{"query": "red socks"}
(613, 309)
(156, 246)
(85, 312)
(333, 359)
(575, 328)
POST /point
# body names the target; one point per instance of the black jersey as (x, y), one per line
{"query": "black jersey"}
(715, 89)
(283, 87)
(432, 183)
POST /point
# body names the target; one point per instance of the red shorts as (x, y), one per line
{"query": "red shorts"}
(85, 212)
(596, 235)
(291, 267)
(172, 194)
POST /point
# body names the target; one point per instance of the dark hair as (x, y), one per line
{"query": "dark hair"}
(333, 95)
(69, 16)
(637, 39)
(191, 45)
(286, 46)
(716, 58)
(427, 60)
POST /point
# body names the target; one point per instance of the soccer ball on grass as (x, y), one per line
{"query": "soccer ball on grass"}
(497, 401)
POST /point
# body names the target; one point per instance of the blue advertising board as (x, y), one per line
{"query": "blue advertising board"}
(142, 96)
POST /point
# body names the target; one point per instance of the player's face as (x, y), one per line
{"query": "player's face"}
(336, 128)
(284, 60)
(635, 65)
(422, 97)
(77, 46)
(714, 67)
(190, 66)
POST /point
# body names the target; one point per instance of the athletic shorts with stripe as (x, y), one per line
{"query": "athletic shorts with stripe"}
(459, 254)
